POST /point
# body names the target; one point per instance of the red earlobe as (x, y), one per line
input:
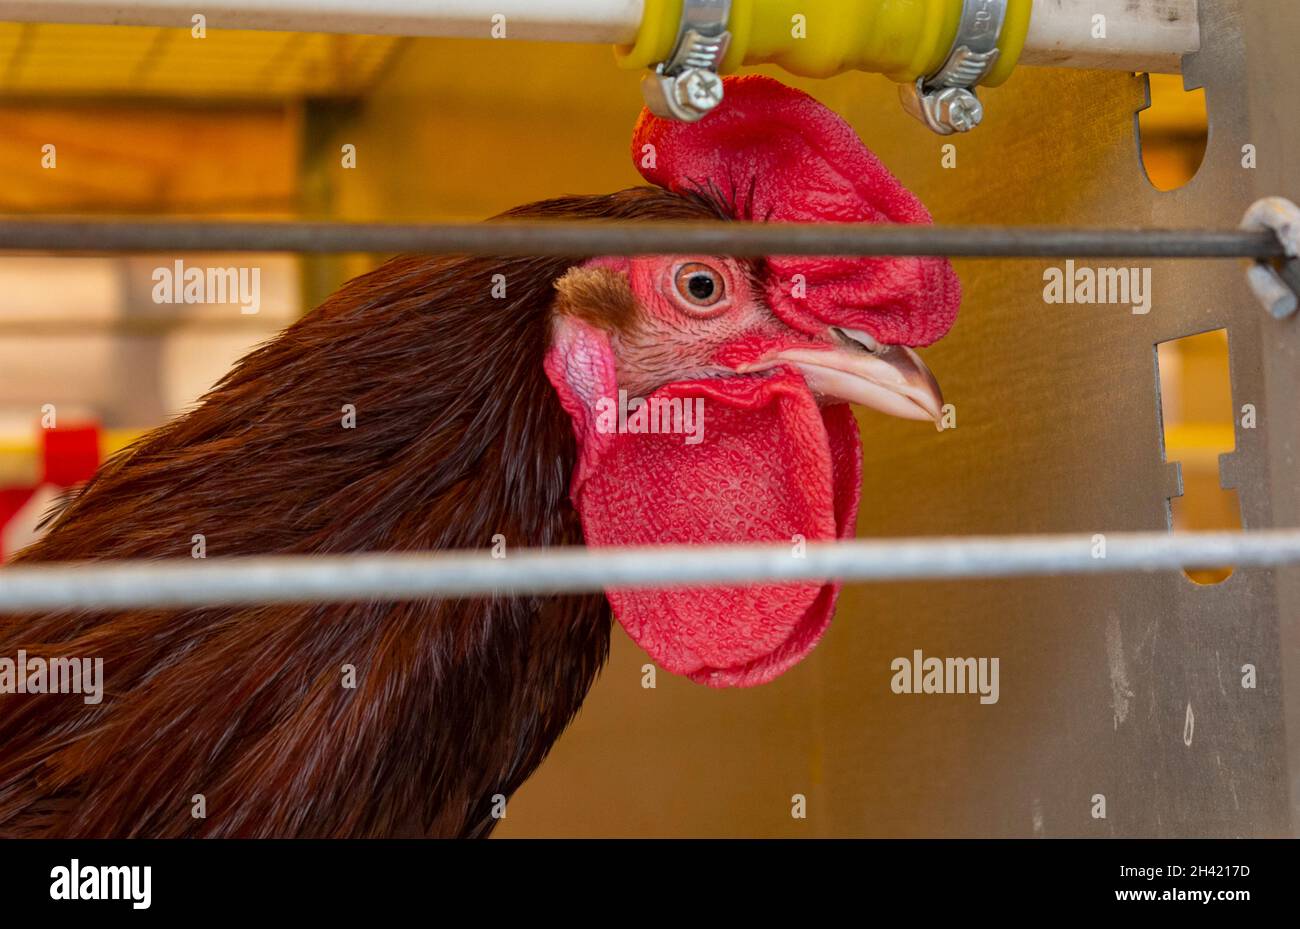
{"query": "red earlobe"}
(581, 367)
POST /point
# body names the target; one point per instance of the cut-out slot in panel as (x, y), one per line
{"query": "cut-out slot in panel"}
(1172, 132)
(1198, 423)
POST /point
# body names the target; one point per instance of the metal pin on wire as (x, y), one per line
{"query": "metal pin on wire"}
(1278, 290)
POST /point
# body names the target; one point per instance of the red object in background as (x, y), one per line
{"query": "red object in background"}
(69, 455)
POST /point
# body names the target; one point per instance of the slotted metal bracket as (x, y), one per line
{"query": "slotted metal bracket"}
(687, 86)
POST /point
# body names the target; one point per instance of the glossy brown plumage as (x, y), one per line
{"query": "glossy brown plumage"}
(459, 437)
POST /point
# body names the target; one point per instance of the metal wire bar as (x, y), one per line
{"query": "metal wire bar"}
(608, 238)
(391, 576)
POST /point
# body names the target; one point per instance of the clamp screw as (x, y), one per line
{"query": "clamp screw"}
(688, 96)
(945, 110)
(698, 89)
(958, 109)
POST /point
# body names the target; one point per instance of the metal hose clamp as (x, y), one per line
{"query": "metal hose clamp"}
(687, 87)
(945, 100)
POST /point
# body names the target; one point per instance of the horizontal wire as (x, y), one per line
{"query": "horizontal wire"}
(597, 237)
(185, 582)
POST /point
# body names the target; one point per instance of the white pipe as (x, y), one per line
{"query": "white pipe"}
(598, 21)
(184, 582)
(1141, 35)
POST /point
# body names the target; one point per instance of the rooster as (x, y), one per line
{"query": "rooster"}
(477, 418)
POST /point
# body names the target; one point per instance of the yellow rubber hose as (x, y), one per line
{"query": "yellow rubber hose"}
(903, 39)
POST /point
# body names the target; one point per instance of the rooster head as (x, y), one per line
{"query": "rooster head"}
(710, 395)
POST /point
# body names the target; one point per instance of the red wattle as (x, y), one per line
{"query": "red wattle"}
(770, 466)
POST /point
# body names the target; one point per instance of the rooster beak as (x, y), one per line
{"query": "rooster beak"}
(857, 369)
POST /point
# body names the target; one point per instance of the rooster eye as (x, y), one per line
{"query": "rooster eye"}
(699, 284)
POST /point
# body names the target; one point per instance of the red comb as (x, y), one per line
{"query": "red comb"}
(771, 153)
